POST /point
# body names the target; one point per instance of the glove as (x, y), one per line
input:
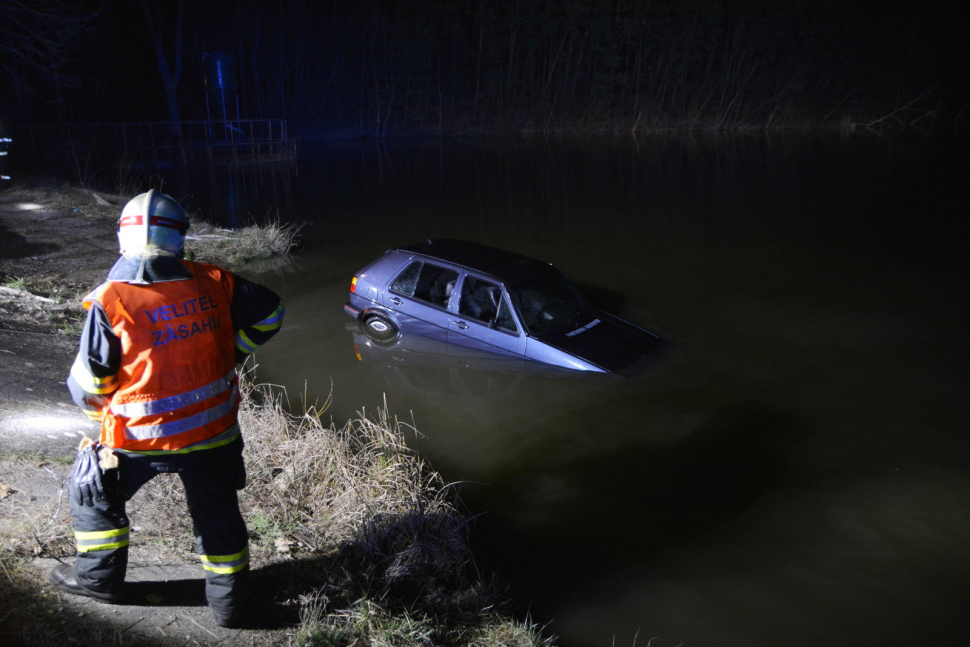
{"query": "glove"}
(84, 483)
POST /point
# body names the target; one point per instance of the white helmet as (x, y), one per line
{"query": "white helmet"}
(152, 221)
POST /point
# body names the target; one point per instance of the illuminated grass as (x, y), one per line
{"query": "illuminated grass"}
(356, 527)
(210, 244)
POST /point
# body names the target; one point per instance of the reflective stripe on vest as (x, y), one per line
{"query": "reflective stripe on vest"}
(138, 409)
(224, 438)
(145, 432)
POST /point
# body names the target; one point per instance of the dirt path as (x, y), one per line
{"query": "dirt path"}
(164, 600)
(50, 253)
(36, 412)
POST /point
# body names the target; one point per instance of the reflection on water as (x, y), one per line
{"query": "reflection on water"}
(432, 368)
(794, 472)
(231, 195)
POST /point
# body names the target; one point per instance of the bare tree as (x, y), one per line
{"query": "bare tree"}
(170, 74)
(38, 39)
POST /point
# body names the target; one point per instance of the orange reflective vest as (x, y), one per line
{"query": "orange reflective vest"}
(177, 381)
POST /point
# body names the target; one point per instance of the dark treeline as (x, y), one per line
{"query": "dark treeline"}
(361, 68)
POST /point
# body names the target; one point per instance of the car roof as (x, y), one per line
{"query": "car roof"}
(507, 266)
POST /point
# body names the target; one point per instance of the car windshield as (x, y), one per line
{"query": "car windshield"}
(548, 303)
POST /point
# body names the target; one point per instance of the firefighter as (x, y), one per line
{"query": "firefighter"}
(157, 367)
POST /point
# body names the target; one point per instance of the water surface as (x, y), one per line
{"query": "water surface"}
(792, 472)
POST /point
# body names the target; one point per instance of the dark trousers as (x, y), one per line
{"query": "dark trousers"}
(211, 478)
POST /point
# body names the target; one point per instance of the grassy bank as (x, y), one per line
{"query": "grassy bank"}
(386, 527)
(354, 540)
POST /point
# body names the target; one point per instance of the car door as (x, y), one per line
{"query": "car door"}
(482, 318)
(420, 295)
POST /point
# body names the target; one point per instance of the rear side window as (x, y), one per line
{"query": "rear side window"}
(426, 282)
(407, 279)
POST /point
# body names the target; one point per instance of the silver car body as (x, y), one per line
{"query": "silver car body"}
(479, 297)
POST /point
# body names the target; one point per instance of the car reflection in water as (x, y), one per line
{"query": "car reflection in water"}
(415, 363)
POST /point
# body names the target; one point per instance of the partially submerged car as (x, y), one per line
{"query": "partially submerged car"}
(493, 300)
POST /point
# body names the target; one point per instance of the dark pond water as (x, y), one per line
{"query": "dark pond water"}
(793, 472)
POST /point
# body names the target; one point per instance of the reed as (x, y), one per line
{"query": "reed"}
(211, 244)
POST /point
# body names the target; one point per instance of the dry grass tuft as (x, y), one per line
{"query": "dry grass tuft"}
(368, 623)
(359, 494)
(211, 244)
(331, 485)
(385, 529)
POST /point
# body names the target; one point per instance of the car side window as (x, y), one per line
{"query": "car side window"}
(426, 282)
(482, 300)
(479, 299)
(406, 280)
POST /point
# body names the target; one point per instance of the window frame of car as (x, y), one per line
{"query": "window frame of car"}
(504, 298)
(453, 304)
(447, 306)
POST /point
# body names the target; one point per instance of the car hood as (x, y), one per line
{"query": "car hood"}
(604, 340)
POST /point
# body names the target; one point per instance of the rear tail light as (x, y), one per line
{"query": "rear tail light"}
(353, 285)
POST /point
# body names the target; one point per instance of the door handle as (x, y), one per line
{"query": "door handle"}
(396, 301)
(460, 324)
